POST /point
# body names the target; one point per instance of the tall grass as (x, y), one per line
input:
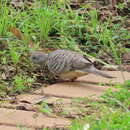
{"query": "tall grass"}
(4, 19)
(44, 18)
(103, 34)
(67, 26)
(106, 37)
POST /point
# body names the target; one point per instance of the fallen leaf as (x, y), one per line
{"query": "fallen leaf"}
(126, 56)
(3, 75)
(126, 68)
(16, 32)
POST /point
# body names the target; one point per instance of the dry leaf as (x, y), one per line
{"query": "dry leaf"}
(16, 32)
(126, 68)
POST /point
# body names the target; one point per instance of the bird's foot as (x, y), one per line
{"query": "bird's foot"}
(65, 80)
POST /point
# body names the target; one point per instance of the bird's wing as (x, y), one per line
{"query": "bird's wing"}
(63, 61)
(57, 61)
(79, 62)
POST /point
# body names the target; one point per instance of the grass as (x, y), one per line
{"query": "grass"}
(47, 25)
(113, 114)
(110, 113)
(109, 121)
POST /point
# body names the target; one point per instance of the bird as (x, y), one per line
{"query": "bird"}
(66, 64)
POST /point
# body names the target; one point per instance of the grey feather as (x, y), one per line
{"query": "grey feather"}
(93, 70)
(60, 61)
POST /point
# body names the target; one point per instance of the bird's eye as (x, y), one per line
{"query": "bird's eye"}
(34, 58)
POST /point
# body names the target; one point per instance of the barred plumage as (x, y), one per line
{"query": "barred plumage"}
(66, 64)
(63, 60)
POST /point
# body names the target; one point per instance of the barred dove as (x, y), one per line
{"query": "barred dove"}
(66, 64)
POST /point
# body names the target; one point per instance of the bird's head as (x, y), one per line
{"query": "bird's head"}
(38, 57)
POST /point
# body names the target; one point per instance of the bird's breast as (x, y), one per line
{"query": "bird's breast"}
(72, 74)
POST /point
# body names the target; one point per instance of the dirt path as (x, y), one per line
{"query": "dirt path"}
(25, 111)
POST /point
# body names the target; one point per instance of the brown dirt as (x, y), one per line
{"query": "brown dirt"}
(63, 99)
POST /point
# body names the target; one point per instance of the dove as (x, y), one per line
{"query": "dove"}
(66, 64)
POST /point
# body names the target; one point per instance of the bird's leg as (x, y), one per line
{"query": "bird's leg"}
(58, 80)
(67, 80)
(72, 80)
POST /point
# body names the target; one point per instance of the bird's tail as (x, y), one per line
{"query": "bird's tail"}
(92, 69)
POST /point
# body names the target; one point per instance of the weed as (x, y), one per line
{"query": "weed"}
(127, 84)
(15, 56)
(3, 90)
(45, 108)
(94, 19)
(44, 18)
(119, 98)
(121, 5)
(76, 125)
(21, 83)
(4, 19)
(108, 119)
(106, 38)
